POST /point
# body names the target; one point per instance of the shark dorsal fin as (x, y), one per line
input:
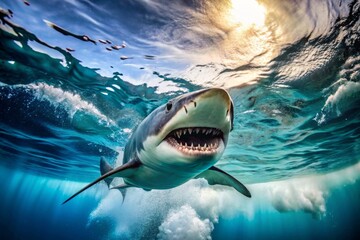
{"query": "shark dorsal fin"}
(105, 168)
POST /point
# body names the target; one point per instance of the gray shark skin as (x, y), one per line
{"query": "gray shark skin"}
(179, 141)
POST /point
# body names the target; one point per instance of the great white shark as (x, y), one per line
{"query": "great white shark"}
(179, 141)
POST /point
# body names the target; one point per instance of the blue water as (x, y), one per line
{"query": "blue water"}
(291, 67)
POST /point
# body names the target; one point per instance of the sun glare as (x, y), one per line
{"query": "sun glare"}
(246, 13)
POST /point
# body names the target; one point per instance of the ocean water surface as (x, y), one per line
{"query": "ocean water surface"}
(76, 77)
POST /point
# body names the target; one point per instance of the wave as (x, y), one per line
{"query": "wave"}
(345, 97)
(71, 101)
(202, 206)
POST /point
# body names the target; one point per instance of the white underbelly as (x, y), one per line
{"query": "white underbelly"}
(148, 178)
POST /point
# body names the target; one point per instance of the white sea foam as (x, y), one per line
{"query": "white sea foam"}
(70, 101)
(184, 223)
(346, 95)
(116, 86)
(307, 194)
(298, 195)
(191, 210)
(110, 89)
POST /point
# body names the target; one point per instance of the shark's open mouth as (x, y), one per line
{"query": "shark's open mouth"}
(196, 140)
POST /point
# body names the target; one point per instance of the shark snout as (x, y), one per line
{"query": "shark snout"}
(209, 110)
(214, 104)
(216, 92)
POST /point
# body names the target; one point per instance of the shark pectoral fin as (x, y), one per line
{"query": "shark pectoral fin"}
(215, 176)
(122, 188)
(122, 171)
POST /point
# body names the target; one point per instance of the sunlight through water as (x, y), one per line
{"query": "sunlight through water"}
(246, 13)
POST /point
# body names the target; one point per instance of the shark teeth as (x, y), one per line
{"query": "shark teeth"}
(196, 140)
(205, 131)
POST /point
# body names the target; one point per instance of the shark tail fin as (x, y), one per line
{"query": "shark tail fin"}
(105, 168)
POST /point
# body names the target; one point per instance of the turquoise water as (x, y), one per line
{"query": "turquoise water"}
(291, 67)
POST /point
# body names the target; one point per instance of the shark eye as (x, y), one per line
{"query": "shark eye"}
(168, 106)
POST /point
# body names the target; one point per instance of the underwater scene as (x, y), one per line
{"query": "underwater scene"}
(251, 130)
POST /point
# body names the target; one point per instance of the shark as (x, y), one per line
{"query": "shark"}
(178, 141)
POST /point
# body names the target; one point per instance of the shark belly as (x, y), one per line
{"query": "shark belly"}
(149, 178)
